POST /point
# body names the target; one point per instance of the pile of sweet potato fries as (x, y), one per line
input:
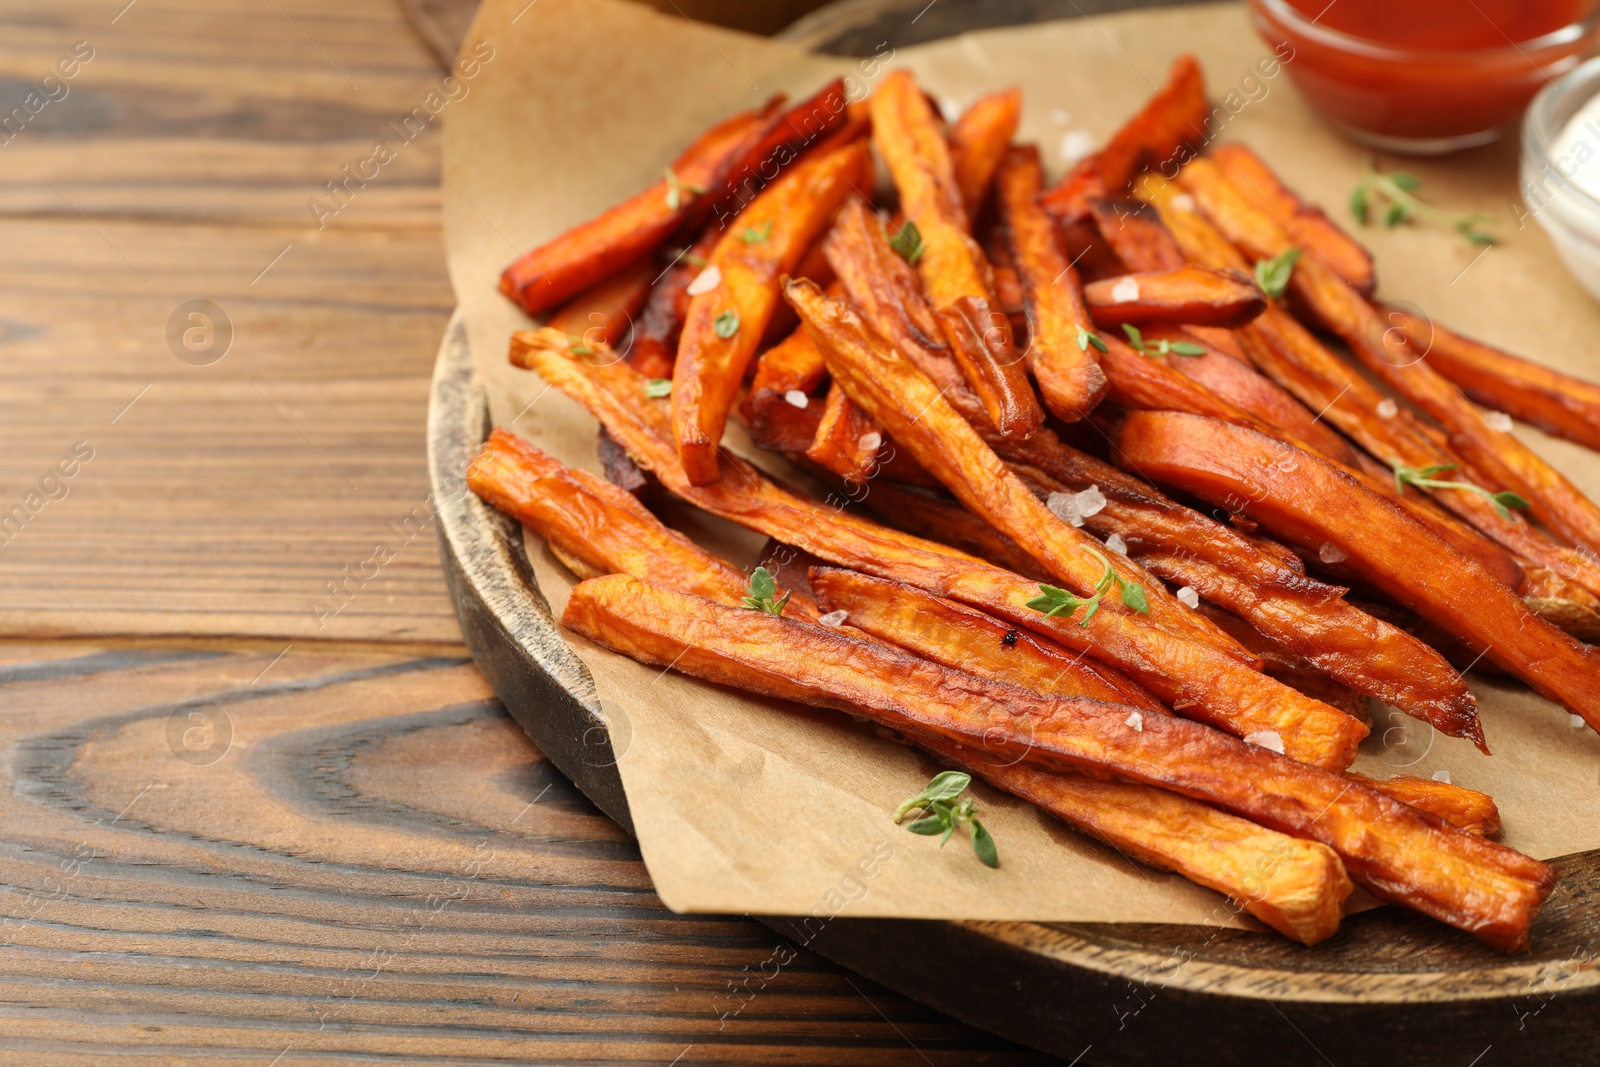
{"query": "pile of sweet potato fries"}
(985, 380)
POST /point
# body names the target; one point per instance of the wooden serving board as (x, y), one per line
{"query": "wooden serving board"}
(1392, 987)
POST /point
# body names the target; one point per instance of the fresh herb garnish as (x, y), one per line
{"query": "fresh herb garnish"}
(676, 187)
(579, 347)
(1161, 347)
(1054, 601)
(753, 235)
(656, 388)
(762, 593)
(1395, 189)
(942, 812)
(908, 242)
(1273, 274)
(1085, 339)
(726, 324)
(1423, 478)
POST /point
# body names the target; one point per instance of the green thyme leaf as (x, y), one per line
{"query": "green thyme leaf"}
(1423, 478)
(1086, 338)
(1396, 189)
(1188, 348)
(1133, 596)
(908, 242)
(1135, 338)
(983, 845)
(756, 234)
(658, 388)
(578, 347)
(1359, 202)
(726, 324)
(676, 187)
(760, 593)
(944, 810)
(1273, 274)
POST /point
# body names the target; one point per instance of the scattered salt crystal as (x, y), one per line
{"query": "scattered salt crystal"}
(1135, 720)
(1387, 408)
(1267, 739)
(1330, 554)
(1189, 596)
(1075, 144)
(1075, 507)
(1442, 776)
(1116, 544)
(950, 108)
(1576, 721)
(1125, 291)
(869, 442)
(1182, 202)
(705, 281)
(797, 399)
(1498, 420)
(834, 618)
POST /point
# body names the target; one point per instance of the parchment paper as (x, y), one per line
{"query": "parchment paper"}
(747, 805)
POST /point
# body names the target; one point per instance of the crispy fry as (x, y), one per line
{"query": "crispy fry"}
(969, 640)
(821, 122)
(1165, 130)
(1556, 403)
(603, 314)
(1069, 199)
(1466, 809)
(847, 440)
(1396, 851)
(1556, 501)
(1194, 679)
(592, 252)
(948, 523)
(655, 334)
(1312, 229)
(725, 323)
(1069, 377)
(1308, 501)
(951, 264)
(1187, 295)
(781, 408)
(978, 141)
(621, 471)
(908, 405)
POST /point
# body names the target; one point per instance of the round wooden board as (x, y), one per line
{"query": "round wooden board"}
(1392, 987)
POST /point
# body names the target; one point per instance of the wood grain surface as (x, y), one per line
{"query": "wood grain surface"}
(234, 829)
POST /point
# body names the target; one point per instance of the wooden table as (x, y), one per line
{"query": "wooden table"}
(236, 823)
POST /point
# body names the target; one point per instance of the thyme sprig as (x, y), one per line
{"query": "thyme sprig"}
(1423, 478)
(1054, 601)
(944, 810)
(1160, 347)
(762, 593)
(1396, 191)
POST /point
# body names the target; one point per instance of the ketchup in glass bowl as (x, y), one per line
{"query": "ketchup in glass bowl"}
(1426, 76)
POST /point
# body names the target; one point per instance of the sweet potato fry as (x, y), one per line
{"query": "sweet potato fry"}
(726, 319)
(1069, 199)
(602, 315)
(1556, 403)
(655, 334)
(847, 440)
(1187, 295)
(1312, 229)
(969, 640)
(950, 262)
(1309, 502)
(620, 469)
(1194, 679)
(1558, 503)
(1164, 132)
(1069, 377)
(1398, 852)
(948, 523)
(821, 122)
(592, 252)
(1466, 809)
(876, 279)
(978, 141)
(908, 405)
(782, 408)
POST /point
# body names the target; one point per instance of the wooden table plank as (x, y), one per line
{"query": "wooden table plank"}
(298, 868)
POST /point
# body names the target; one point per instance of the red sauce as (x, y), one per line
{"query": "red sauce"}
(1424, 70)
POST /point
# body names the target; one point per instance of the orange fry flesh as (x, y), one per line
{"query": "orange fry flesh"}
(847, 440)
(1187, 295)
(590, 253)
(1162, 132)
(1463, 808)
(780, 409)
(1195, 679)
(950, 262)
(603, 314)
(1399, 853)
(1309, 502)
(978, 141)
(949, 524)
(1069, 376)
(725, 322)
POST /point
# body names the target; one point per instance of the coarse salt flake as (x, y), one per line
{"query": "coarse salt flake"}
(834, 618)
(1387, 408)
(949, 108)
(1498, 420)
(869, 442)
(1135, 720)
(705, 281)
(1442, 776)
(1576, 721)
(1267, 739)
(1188, 596)
(1075, 144)
(796, 398)
(1075, 507)
(1182, 202)
(1125, 291)
(1116, 544)
(1330, 554)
